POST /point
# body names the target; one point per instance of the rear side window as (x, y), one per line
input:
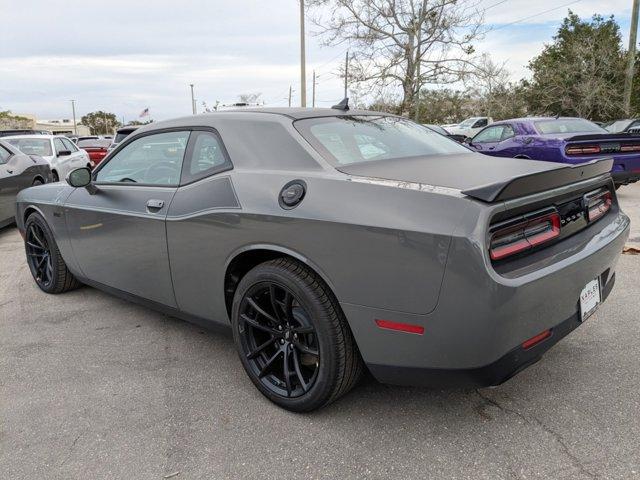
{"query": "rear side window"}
(206, 156)
(57, 142)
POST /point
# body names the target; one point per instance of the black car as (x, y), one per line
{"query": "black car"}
(18, 171)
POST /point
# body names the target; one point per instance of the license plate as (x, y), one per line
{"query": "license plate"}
(589, 299)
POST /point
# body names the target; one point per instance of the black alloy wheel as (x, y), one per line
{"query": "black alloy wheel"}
(39, 255)
(44, 259)
(292, 337)
(278, 339)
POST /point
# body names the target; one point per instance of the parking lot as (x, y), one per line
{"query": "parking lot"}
(94, 387)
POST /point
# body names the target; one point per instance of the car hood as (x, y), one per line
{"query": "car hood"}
(458, 171)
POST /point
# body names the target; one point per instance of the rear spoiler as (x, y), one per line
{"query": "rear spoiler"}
(541, 181)
(604, 137)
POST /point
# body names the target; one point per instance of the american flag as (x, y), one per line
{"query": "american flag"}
(144, 113)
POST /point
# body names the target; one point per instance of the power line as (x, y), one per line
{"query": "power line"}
(535, 15)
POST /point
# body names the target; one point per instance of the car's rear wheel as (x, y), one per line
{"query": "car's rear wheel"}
(55, 176)
(292, 337)
(37, 182)
(44, 259)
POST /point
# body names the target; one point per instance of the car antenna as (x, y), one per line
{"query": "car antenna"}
(343, 105)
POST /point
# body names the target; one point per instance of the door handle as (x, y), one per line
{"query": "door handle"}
(155, 204)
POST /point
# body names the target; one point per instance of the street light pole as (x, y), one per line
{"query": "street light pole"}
(73, 109)
(193, 100)
(313, 96)
(303, 67)
(346, 73)
(628, 81)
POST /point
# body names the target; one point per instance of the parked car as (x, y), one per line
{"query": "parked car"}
(18, 171)
(121, 134)
(442, 131)
(330, 239)
(565, 140)
(624, 125)
(97, 149)
(470, 126)
(61, 153)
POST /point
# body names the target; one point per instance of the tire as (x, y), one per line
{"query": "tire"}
(44, 259)
(297, 316)
(37, 182)
(54, 174)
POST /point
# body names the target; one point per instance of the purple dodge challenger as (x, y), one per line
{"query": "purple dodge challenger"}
(564, 140)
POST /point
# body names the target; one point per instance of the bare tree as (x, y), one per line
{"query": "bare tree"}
(403, 43)
(487, 78)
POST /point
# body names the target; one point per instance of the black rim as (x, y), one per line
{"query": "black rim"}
(39, 255)
(278, 339)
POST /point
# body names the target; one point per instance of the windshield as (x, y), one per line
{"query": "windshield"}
(568, 125)
(468, 122)
(354, 139)
(617, 126)
(32, 146)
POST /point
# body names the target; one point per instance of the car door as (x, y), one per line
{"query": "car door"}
(486, 140)
(63, 158)
(118, 233)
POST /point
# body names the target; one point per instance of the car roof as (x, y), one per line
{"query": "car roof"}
(300, 113)
(34, 136)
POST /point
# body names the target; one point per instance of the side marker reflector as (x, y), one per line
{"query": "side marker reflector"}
(533, 341)
(400, 327)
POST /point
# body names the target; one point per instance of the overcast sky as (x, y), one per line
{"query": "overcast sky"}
(124, 56)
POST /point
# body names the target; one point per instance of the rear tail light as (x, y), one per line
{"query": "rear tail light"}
(582, 149)
(523, 235)
(630, 148)
(598, 203)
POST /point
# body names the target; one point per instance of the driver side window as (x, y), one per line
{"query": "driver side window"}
(152, 160)
(4, 155)
(489, 135)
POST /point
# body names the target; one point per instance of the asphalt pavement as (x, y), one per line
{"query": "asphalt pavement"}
(94, 387)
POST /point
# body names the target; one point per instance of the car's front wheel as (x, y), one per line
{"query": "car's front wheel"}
(292, 337)
(44, 259)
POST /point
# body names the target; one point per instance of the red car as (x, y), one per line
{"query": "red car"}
(96, 148)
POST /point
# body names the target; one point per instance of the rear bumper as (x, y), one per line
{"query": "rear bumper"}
(474, 335)
(495, 373)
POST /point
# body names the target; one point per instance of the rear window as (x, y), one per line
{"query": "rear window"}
(346, 140)
(94, 143)
(121, 136)
(32, 146)
(568, 125)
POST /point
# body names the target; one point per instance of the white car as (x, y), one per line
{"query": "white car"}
(470, 126)
(60, 152)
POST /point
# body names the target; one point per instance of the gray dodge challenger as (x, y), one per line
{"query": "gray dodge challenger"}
(18, 171)
(334, 240)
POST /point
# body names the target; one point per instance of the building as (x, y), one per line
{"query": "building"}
(63, 126)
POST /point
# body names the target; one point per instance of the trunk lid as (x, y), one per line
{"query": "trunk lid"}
(479, 176)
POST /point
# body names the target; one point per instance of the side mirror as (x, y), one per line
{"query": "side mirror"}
(64, 153)
(80, 177)
(467, 141)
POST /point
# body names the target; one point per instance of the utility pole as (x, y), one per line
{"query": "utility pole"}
(346, 73)
(628, 81)
(313, 96)
(73, 108)
(303, 66)
(193, 100)
(104, 121)
(289, 95)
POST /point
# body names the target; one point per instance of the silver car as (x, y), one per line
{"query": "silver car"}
(330, 240)
(61, 153)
